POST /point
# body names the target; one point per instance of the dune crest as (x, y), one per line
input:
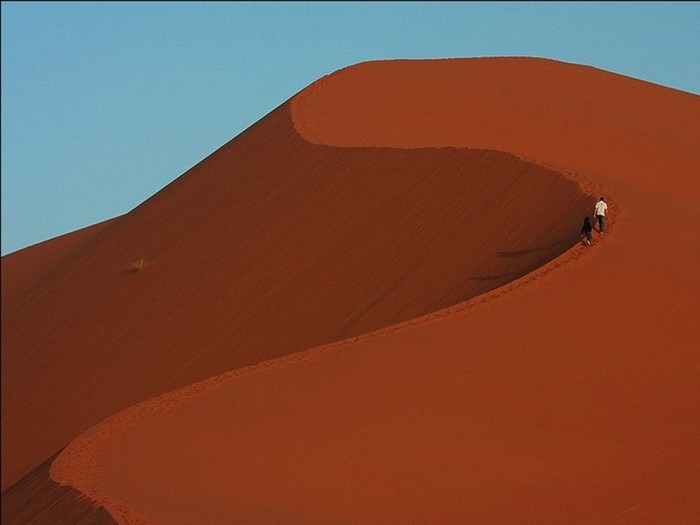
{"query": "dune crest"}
(561, 114)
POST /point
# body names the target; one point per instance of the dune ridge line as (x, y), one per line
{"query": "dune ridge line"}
(76, 465)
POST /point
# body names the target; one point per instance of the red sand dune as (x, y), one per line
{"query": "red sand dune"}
(567, 394)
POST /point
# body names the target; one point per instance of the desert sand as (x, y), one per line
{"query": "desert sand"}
(373, 307)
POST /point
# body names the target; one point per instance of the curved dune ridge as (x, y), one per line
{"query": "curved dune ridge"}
(270, 246)
(564, 394)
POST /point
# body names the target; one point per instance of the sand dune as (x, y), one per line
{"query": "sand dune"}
(486, 367)
(293, 246)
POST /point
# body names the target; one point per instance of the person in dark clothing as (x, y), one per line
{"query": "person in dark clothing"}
(587, 231)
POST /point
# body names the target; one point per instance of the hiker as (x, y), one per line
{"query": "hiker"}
(600, 209)
(587, 231)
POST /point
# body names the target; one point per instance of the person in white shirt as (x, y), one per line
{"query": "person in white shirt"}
(600, 209)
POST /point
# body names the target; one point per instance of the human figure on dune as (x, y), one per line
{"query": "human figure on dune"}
(587, 231)
(600, 209)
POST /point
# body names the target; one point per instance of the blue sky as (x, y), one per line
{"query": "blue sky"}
(105, 103)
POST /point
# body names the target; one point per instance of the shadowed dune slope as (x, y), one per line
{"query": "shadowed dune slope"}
(25, 268)
(567, 396)
(38, 500)
(269, 246)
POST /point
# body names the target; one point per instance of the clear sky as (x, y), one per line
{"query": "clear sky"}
(105, 103)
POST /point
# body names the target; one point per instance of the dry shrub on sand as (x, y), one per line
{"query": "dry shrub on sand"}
(137, 266)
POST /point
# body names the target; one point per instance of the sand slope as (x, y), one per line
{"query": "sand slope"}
(565, 396)
(26, 268)
(270, 246)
